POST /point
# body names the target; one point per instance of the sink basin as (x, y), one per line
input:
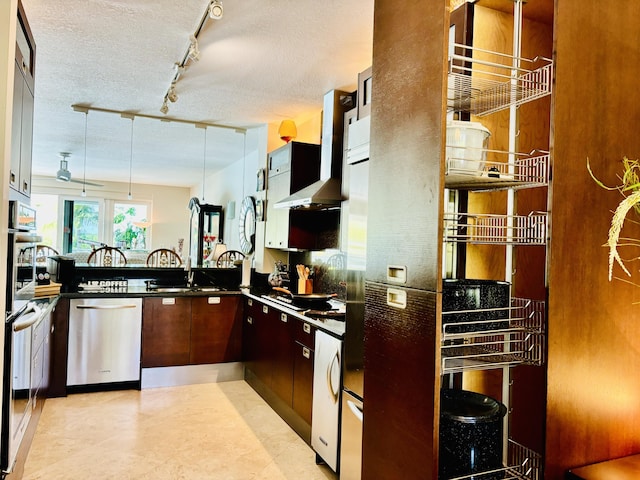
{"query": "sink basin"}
(206, 289)
(183, 289)
(172, 289)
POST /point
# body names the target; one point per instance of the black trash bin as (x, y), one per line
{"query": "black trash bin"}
(471, 434)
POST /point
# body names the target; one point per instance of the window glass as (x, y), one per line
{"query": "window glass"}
(46, 218)
(86, 224)
(130, 226)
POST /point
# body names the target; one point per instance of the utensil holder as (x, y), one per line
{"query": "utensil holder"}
(305, 286)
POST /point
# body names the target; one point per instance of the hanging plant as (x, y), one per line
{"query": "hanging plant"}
(630, 190)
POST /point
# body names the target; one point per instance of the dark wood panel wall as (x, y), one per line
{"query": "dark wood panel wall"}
(401, 385)
(593, 401)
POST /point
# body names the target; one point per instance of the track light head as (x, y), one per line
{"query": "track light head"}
(172, 95)
(215, 10)
(164, 108)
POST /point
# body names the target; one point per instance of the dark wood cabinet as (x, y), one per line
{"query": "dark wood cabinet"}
(166, 331)
(278, 352)
(191, 331)
(303, 369)
(258, 347)
(216, 330)
(282, 355)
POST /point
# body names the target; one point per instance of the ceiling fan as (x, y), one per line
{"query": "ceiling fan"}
(64, 175)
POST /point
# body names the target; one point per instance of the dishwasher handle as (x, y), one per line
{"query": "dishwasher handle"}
(103, 307)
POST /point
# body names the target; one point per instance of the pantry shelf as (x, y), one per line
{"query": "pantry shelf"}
(482, 82)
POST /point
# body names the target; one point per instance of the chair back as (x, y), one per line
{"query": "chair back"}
(163, 258)
(107, 257)
(25, 255)
(227, 259)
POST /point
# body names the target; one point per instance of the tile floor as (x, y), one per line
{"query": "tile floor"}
(221, 431)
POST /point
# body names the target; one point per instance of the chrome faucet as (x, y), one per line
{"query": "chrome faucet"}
(187, 267)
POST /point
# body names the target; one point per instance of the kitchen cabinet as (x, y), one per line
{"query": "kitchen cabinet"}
(303, 367)
(290, 168)
(23, 103)
(216, 327)
(166, 331)
(191, 330)
(409, 246)
(278, 355)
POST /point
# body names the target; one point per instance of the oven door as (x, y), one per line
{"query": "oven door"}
(17, 381)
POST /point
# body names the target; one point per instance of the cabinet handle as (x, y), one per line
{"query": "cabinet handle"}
(306, 327)
(250, 302)
(265, 309)
(283, 317)
(396, 298)
(306, 353)
(250, 320)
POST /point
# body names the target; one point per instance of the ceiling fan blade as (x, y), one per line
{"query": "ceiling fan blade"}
(92, 184)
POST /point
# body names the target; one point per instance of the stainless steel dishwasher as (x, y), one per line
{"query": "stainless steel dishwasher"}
(105, 337)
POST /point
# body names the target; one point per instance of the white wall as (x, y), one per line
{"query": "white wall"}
(169, 214)
(234, 183)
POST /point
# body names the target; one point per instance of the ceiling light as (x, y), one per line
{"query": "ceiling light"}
(171, 94)
(215, 10)
(194, 52)
(84, 164)
(64, 175)
(164, 108)
(132, 117)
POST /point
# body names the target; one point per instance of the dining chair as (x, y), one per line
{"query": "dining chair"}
(44, 251)
(228, 258)
(107, 257)
(163, 258)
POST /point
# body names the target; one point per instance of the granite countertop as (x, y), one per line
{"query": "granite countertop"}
(334, 327)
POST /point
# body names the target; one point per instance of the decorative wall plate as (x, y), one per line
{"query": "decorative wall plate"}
(247, 225)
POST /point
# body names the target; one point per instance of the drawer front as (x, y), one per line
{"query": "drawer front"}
(305, 333)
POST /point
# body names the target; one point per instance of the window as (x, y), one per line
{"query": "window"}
(46, 218)
(130, 226)
(81, 225)
(71, 224)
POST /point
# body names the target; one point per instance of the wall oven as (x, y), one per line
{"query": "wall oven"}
(22, 313)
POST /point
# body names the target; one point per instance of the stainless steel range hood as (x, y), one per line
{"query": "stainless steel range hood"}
(326, 193)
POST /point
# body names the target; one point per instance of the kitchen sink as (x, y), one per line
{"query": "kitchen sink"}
(182, 289)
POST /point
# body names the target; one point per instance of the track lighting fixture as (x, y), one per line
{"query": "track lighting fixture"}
(215, 10)
(194, 52)
(172, 94)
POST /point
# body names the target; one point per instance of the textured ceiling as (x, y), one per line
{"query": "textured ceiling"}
(262, 62)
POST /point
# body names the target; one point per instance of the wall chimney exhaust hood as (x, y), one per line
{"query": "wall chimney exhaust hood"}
(326, 193)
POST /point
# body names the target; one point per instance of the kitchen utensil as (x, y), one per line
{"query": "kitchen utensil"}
(307, 299)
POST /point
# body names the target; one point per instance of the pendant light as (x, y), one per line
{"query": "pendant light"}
(204, 156)
(130, 117)
(84, 164)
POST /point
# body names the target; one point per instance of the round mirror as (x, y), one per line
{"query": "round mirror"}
(247, 225)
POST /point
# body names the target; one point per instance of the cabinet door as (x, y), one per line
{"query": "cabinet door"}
(26, 141)
(249, 335)
(277, 230)
(282, 342)
(259, 348)
(166, 331)
(216, 333)
(16, 128)
(303, 381)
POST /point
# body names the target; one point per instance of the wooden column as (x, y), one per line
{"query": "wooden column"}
(401, 385)
(593, 398)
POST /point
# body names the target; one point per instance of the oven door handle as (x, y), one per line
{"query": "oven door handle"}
(30, 316)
